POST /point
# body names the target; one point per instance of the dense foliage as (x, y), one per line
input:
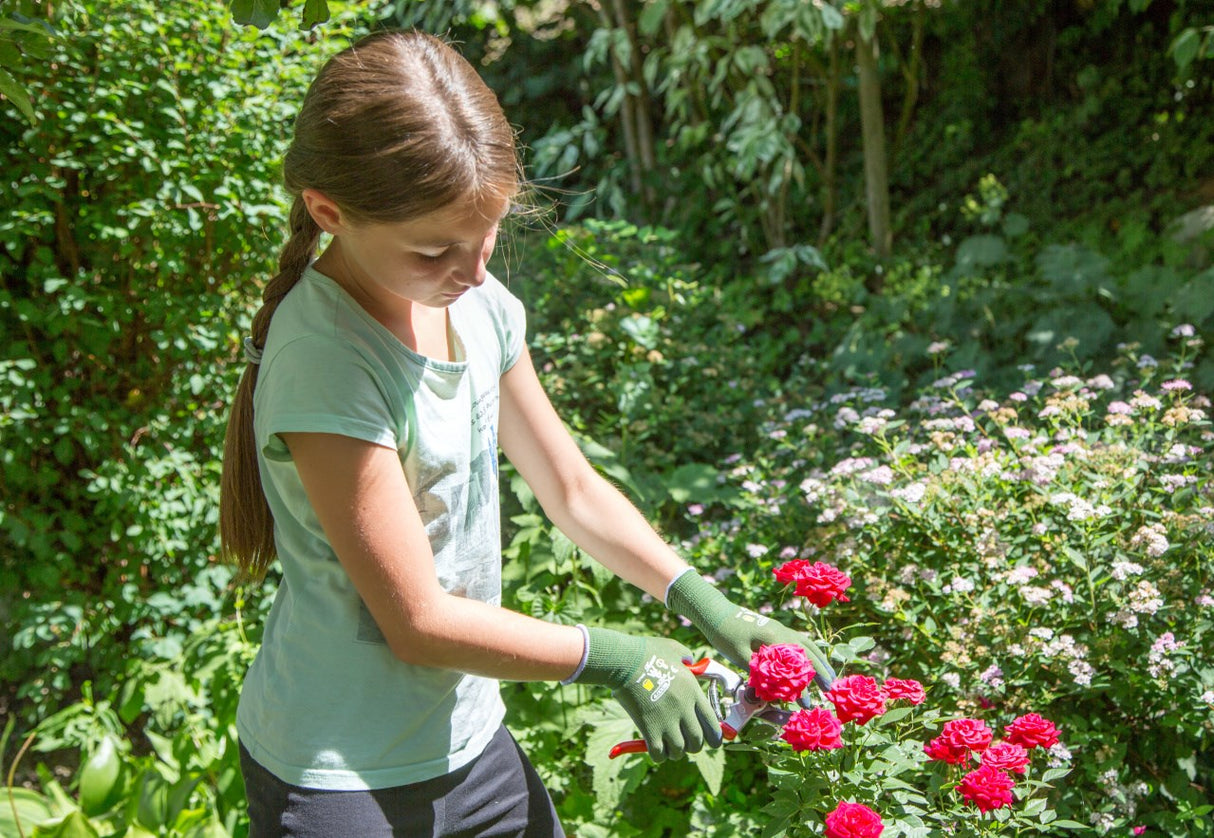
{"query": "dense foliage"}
(733, 354)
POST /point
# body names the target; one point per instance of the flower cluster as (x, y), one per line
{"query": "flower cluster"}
(781, 674)
(1034, 546)
(990, 785)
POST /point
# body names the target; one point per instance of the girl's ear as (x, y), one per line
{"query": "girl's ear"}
(327, 214)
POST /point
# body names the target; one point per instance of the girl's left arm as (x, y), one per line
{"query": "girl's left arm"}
(583, 504)
(602, 522)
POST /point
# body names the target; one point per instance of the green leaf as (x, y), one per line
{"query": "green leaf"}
(12, 90)
(314, 12)
(981, 251)
(651, 17)
(1185, 46)
(694, 482)
(74, 825)
(1194, 299)
(711, 762)
(259, 13)
(99, 777)
(32, 809)
(1015, 225)
(1054, 774)
(612, 778)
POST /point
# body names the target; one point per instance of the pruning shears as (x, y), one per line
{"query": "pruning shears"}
(733, 700)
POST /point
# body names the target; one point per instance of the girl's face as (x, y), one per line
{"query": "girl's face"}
(431, 260)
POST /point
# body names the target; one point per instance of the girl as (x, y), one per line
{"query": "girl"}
(362, 452)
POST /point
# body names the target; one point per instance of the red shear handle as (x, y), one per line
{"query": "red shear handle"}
(632, 746)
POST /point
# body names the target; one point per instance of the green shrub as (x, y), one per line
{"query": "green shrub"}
(143, 206)
(1045, 551)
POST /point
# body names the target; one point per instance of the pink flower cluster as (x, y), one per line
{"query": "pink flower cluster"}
(989, 786)
(781, 673)
(857, 699)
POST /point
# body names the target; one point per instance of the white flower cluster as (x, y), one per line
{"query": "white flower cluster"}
(912, 493)
(1124, 570)
(1172, 482)
(881, 476)
(1154, 537)
(1020, 575)
(1079, 509)
(1043, 470)
(959, 585)
(1064, 648)
(993, 677)
(1143, 599)
(1159, 664)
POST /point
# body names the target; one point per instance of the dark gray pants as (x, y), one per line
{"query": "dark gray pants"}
(498, 794)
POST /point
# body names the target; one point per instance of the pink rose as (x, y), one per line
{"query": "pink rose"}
(897, 689)
(780, 672)
(987, 788)
(818, 582)
(813, 730)
(1030, 731)
(967, 733)
(853, 820)
(857, 698)
(1006, 756)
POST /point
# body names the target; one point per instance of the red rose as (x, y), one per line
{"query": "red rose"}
(1030, 731)
(857, 698)
(987, 788)
(790, 572)
(1006, 756)
(967, 733)
(813, 730)
(818, 582)
(853, 820)
(898, 689)
(780, 672)
(943, 751)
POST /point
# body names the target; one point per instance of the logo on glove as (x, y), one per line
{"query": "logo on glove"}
(656, 677)
(751, 617)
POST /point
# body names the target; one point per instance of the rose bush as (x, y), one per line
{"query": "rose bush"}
(1042, 551)
(832, 756)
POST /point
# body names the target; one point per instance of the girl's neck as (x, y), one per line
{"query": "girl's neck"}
(423, 329)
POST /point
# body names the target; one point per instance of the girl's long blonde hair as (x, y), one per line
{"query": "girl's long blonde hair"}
(394, 127)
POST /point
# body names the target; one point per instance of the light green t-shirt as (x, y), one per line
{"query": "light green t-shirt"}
(326, 704)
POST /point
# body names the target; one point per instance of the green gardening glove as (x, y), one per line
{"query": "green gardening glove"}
(648, 678)
(737, 632)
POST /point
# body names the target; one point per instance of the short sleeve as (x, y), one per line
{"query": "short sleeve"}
(510, 314)
(316, 384)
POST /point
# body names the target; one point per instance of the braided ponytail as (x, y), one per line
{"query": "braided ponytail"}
(246, 528)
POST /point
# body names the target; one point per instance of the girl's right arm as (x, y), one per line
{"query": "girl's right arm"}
(364, 504)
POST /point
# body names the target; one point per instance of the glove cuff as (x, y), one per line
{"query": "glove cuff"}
(611, 657)
(698, 600)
